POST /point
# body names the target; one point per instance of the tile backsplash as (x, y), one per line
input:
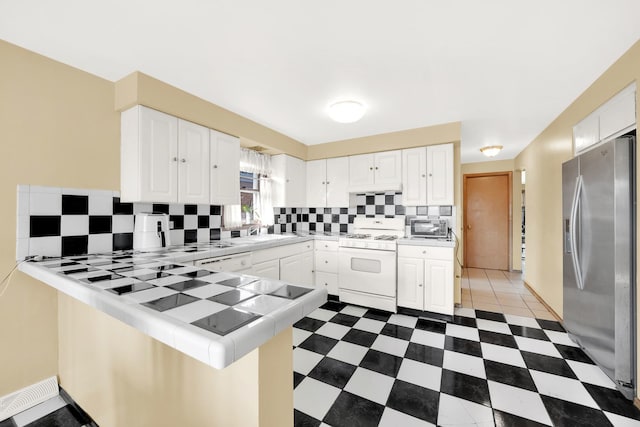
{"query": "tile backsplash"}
(340, 219)
(55, 221)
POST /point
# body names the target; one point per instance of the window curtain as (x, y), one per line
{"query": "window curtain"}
(232, 216)
(258, 163)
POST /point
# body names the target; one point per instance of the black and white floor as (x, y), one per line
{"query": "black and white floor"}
(359, 367)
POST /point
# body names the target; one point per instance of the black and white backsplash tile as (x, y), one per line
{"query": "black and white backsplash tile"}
(55, 221)
(340, 219)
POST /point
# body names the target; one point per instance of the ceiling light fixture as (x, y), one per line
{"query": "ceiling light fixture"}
(346, 111)
(491, 150)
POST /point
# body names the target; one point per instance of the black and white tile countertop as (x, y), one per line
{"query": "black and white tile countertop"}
(215, 318)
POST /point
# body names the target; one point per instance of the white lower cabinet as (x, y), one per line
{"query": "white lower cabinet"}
(297, 269)
(425, 278)
(268, 269)
(289, 263)
(326, 261)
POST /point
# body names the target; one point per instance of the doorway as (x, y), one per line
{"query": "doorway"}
(487, 199)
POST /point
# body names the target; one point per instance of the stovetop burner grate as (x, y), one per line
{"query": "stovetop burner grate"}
(386, 237)
(358, 236)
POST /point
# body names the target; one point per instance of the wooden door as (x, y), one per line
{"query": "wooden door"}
(487, 198)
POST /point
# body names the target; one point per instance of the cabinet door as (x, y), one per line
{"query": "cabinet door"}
(225, 169)
(193, 163)
(296, 182)
(329, 281)
(618, 114)
(438, 293)
(361, 169)
(411, 283)
(414, 177)
(317, 183)
(440, 174)
(306, 268)
(586, 132)
(267, 269)
(337, 182)
(388, 167)
(158, 156)
(290, 269)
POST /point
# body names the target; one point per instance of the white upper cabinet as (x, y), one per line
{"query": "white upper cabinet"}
(338, 182)
(414, 176)
(224, 169)
(317, 183)
(613, 118)
(289, 181)
(377, 171)
(193, 163)
(388, 167)
(361, 170)
(327, 182)
(440, 175)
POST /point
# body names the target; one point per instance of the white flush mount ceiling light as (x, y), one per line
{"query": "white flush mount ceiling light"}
(346, 111)
(491, 150)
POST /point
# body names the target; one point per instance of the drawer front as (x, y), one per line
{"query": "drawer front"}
(327, 261)
(283, 251)
(326, 245)
(430, 252)
(328, 281)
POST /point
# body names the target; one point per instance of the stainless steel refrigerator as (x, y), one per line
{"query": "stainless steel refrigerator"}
(598, 209)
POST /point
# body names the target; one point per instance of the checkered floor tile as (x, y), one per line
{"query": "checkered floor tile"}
(359, 367)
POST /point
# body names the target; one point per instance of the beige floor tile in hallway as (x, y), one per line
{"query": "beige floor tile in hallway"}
(500, 292)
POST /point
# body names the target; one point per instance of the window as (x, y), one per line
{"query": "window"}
(249, 197)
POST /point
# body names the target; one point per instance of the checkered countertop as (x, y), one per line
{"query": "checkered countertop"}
(214, 317)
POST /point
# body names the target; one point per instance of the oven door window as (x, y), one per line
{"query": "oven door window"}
(366, 265)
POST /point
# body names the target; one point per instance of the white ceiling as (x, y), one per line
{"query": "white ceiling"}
(504, 68)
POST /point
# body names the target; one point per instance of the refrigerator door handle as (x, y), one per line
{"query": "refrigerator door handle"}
(575, 204)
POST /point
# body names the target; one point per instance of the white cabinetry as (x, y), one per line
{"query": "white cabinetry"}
(290, 263)
(267, 269)
(289, 181)
(414, 177)
(326, 260)
(427, 175)
(327, 182)
(440, 174)
(425, 278)
(193, 166)
(225, 169)
(377, 171)
(149, 156)
(613, 118)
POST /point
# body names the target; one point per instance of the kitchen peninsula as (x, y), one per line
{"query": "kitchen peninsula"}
(226, 336)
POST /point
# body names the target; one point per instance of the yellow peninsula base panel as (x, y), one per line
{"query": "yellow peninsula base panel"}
(122, 377)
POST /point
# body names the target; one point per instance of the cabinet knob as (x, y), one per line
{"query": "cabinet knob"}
(326, 262)
(424, 176)
(323, 182)
(215, 166)
(430, 174)
(327, 182)
(183, 160)
(371, 168)
(419, 285)
(287, 180)
(376, 168)
(424, 252)
(175, 159)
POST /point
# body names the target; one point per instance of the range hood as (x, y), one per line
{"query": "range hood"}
(375, 188)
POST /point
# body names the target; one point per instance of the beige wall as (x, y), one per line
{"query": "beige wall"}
(58, 128)
(516, 202)
(542, 160)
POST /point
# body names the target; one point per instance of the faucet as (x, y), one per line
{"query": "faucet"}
(253, 230)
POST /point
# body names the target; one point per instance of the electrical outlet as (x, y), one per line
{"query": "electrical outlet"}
(282, 220)
(171, 226)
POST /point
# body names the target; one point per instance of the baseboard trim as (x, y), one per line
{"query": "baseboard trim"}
(542, 301)
(28, 397)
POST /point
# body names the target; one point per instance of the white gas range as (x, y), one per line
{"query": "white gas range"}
(367, 262)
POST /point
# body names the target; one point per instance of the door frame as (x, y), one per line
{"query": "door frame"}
(509, 225)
